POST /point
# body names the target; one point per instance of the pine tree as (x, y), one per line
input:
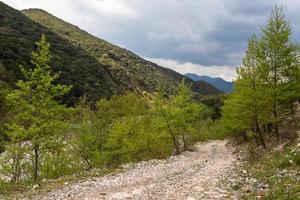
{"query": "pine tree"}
(246, 108)
(37, 117)
(276, 57)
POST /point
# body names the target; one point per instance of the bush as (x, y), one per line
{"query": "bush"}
(297, 159)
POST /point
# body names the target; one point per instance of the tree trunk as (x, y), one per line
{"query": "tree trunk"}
(184, 143)
(36, 161)
(276, 119)
(171, 133)
(256, 140)
(260, 134)
(292, 109)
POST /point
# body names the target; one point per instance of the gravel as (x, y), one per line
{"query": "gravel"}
(205, 173)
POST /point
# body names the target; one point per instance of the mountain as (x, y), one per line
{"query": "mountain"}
(219, 83)
(93, 66)
(205, 88)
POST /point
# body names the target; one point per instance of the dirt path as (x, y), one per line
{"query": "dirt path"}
(192, 175)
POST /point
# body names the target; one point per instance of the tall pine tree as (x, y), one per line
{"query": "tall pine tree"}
(277, 57)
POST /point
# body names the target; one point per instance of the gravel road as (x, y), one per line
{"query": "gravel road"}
(198, 174)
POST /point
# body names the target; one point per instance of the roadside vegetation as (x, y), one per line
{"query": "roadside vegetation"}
(45, 139)
(262, 111)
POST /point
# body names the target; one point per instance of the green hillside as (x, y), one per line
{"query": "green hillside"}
(93, 66)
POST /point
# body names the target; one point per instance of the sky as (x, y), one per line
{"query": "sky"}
(206, 37)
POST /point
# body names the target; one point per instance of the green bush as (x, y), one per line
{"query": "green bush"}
(297, 159)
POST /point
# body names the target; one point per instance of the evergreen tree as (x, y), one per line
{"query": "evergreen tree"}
(277, 60)
(247, 106)
(37, 117)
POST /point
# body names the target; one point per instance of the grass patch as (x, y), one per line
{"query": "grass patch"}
(280, 172)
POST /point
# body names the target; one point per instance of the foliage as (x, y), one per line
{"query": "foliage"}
(178, 114)
(214, 102)
(268, 79)
(131, 127)
(209, 129)
(37, 119)
(46, 142)
(4, 90)
(278, 63)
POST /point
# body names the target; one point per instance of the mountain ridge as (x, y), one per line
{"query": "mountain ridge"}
(219, 83)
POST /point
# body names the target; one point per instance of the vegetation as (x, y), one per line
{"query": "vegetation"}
(99, 106)
(92, 66)
(47, 139)
(37, 120)
(267, 82)
(264, 98)
(277, 171)
(127, 69)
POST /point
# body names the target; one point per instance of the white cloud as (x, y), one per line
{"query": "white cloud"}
(225, 72)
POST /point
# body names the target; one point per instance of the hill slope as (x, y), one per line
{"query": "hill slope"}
(219, 83)
(128, 68)
(92, 65)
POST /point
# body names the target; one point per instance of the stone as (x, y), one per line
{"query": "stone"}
(36, 186)
(121, 195)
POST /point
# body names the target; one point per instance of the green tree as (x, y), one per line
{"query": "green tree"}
(4, 90)
(277, 61)
(37, 117)
(128, 136)
(178, 114)
(87, 140)
(246, 107)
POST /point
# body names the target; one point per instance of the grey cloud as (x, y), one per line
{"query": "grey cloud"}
(204, 32)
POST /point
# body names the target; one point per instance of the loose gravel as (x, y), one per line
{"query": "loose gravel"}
(198, 174)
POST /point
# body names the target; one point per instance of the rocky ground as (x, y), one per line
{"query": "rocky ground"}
(205, 173)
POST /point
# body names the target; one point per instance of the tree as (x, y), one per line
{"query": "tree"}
(185, 112)
(277, 61)
(4, 89)
(162, 108)
(268, 79)
(179, 113)
(245, 108)
(37, 116)
(87, 139)
(128, 139)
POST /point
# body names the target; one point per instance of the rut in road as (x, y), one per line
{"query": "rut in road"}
(191, 175)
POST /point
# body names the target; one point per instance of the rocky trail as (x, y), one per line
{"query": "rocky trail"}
(199, 174)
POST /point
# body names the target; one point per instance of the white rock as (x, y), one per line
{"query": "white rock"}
(121, 195)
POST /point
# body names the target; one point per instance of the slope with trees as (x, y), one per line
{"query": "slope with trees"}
(91, 65)
(48, 139)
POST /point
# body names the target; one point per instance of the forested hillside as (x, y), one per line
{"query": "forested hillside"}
(91, 65)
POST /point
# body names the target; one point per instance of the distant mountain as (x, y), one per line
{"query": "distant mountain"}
(219, 83)
(93, 66)
(205, 87)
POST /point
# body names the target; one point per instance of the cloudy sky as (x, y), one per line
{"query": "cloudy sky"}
(207, 37)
